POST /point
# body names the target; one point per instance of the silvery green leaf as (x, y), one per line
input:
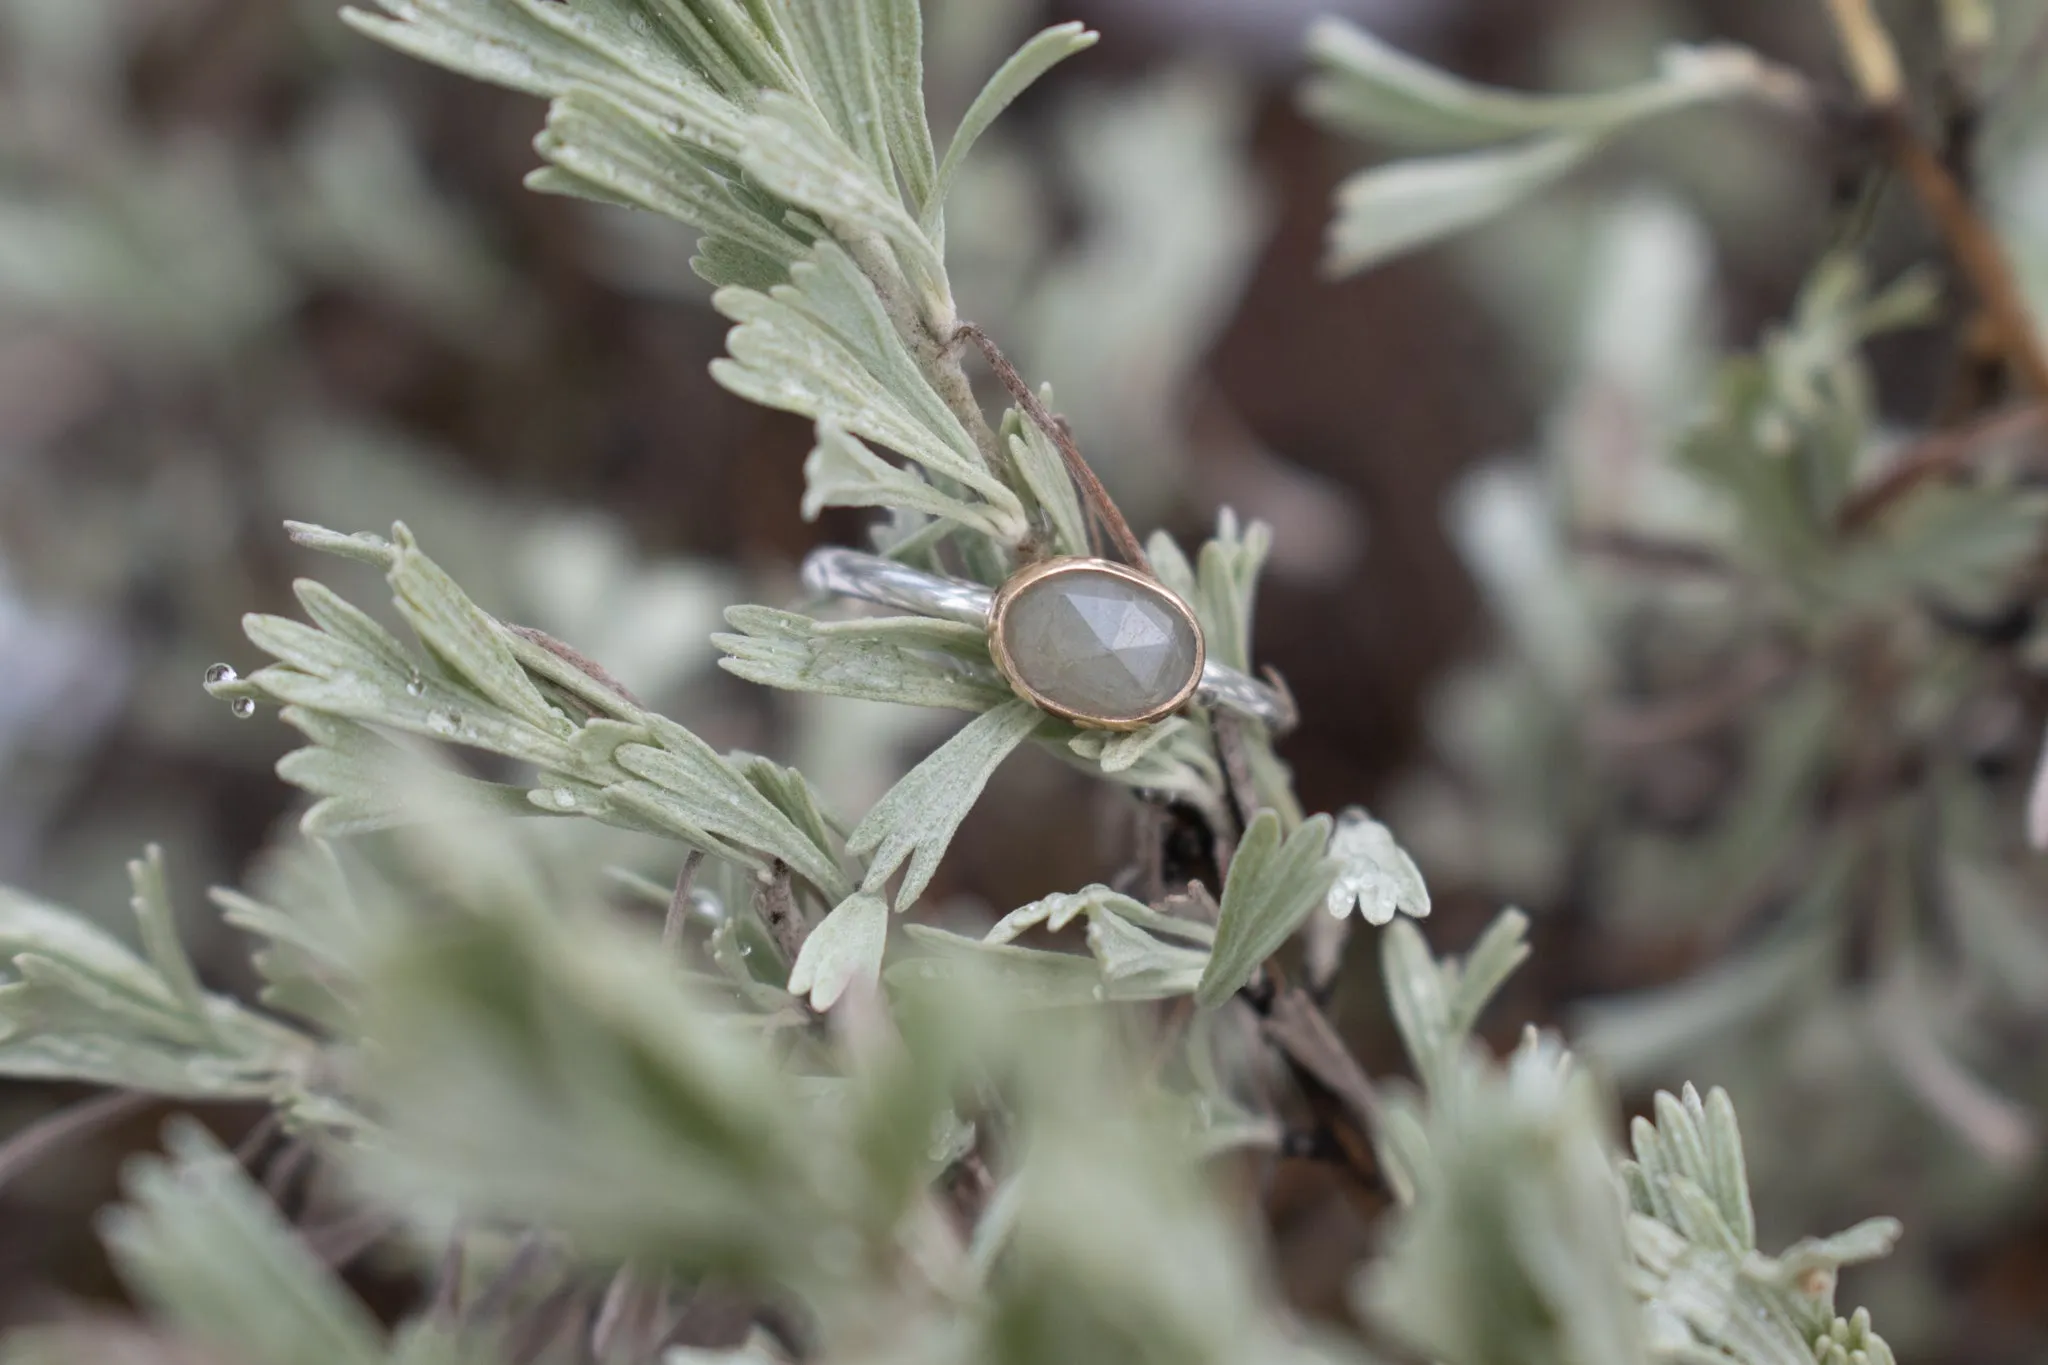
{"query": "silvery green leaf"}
(439, 711)
(1370, 89)
(1120, 752)
(792, 794)
(914, 660)
(916, 820)
(366, 783)
(1704, 1284)
(1273, 885)
(1057, 911)
(1136, 965)
(843, 472)
(784, 355)
(1501, 949)
(307, 918)
(845, 947)
(205, 1248)
(601, 148)
(1395, 208)
(829, 289)
(81, 1007)
(1870, 1240)
(1125, 963)
(898, 26)
(1038, 56)
(1961, 546)
(1375, 874)
(1514, 1247)
(838, 46)
(790, 150)
(553, 1069)
(363, 547)
(1402, 1143)
(1418, 994)
(319, 653)
(1047, 478)
(108, 977)
(1226, 583)
(464, 637)
(1031, 978)
(714, 796)
(345, 622)
(158, 923)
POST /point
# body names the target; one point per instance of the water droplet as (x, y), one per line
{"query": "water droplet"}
(445, 723)
(243, 708)
(221, 673)
(565, 799)
(707, 907)
(746, 950)
(415, 685)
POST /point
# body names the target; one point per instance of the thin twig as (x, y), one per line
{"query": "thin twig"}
(446, 1308)
(632, 1318)
(1638, 552)
(68, 1125)
(258, 1137)
(1307, 1038)
(1873, 62)
(777, 903)
(1937, 457)
(1696, 712)
(542, 1327)
(1062, 437)
(339, 1243)
(527, 1258)
(1237, 766)
(283, 1173)
(679, 903)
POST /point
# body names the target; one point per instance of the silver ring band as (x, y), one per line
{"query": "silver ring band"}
(871, 578)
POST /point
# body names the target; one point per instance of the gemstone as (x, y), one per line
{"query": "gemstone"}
(1095, 645)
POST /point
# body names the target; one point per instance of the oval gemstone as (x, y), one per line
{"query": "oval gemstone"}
(1097, 646)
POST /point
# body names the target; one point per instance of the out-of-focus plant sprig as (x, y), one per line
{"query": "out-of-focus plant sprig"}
(1773, 661)
(601, 1131)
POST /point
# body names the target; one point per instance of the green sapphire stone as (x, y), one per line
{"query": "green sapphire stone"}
(1099, 645)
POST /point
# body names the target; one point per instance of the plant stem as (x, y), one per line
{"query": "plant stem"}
(1874, 64)
(934, 351)
(1936, 457)
(1092, 491)
(1873, 61)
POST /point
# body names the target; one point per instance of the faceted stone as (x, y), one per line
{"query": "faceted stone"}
(1099, 645)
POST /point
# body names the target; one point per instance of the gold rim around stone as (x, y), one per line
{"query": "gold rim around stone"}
(1023, 582)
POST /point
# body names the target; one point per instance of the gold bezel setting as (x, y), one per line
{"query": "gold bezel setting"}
(1053, 568)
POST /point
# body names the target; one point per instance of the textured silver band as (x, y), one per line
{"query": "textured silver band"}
(871, 578)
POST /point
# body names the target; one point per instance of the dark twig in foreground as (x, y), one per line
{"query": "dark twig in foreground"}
(66, 1126)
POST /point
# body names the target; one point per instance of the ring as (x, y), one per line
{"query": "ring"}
(1089, 640)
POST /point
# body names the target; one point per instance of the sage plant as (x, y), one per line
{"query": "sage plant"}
(733, 1113)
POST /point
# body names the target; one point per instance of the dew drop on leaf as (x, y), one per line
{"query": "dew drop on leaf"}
(242, 708)
(221, 673)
